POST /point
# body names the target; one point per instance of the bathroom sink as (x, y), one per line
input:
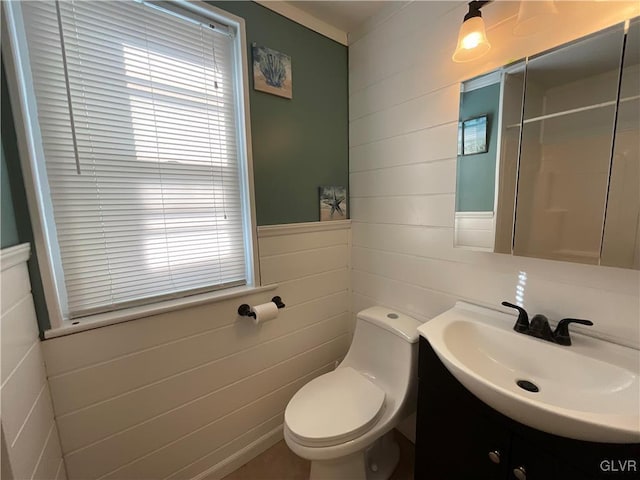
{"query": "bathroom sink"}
(587, 391)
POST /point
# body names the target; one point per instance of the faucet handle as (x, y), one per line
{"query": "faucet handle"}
(561, 333)
(522, 324)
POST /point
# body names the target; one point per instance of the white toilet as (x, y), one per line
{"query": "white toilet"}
(343, 420)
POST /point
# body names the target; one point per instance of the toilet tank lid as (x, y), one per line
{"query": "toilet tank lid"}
(395, 322)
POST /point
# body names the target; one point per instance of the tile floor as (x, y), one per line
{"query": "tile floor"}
(279, 463)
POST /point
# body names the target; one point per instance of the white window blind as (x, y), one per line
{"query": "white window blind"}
(140, 137)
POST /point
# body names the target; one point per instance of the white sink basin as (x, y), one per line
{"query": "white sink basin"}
(587, 391)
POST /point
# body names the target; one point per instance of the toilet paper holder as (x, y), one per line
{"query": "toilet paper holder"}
(244, 310)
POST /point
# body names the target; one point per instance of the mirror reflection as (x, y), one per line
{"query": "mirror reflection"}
(621, 240)
(560, 175)
(567, 133)
(476, 166)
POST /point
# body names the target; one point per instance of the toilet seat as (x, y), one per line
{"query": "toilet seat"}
(334, 408)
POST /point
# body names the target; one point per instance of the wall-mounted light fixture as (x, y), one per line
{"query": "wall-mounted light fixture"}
(472, 38)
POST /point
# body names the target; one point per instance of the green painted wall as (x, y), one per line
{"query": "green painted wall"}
(302, 143)
(9, 229)
(476, 174)
(17, 207)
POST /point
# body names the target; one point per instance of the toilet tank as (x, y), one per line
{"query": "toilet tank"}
(385, 347)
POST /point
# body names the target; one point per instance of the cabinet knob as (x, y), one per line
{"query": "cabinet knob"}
(494, 456)
(520, 473)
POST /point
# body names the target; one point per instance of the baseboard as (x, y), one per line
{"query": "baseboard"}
(235, 461)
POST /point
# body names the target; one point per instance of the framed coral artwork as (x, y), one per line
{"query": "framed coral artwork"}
(272, 72)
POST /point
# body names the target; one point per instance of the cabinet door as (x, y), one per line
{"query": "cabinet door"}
(621, 241)
(455, 435)
(458, 444)
(565, 150)
(529, 461)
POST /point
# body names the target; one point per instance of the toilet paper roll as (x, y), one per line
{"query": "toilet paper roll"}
(264, 312)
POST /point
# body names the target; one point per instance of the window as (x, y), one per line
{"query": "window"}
(141, 118)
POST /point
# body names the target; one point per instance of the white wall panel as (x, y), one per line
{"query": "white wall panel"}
(437, 242)
(29, 434)
(18, 333)
(27, 447)
(175, 394)
(5, 467)
(313, 287)
(461, 280)
(50, 462)
(67, 353)
(101, 345)
(404, 92)
(83, 387)
(418, 240)
(419, 302)
(371, 24)
(434, 210)
(406, 149)
(20, 391)
(490, 287)
(284, 244)
(62, 471)
(97, 421)
(291, 266)
(212, 437)
(435, 108)
(230, 456)
(13, 288)
(100, 458)
(418, 54)
(391, 46)
(417, 179)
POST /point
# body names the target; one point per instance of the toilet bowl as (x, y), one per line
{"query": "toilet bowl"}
(342, 421)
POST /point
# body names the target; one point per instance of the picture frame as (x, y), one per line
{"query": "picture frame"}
(272, 72)
(332, 202)
(474, 136)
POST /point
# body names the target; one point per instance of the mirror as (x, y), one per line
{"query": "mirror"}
(559, 176)
(621, 239)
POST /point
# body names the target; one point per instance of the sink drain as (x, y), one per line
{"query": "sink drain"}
(528, 386)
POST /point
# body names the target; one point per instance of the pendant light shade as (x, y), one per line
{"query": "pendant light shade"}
(534, 17)
(472, 38)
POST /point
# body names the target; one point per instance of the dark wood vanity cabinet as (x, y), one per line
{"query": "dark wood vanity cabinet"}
(458, 437)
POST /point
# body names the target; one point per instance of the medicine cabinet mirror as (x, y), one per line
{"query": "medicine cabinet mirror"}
(558, 174)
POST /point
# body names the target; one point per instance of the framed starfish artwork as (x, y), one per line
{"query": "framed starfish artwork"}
(333, 203)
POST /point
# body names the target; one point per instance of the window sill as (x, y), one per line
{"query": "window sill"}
(120, 316)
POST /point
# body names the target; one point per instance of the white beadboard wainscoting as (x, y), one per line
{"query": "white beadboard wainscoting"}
(404, 93)
(474, 230)
(195, 393)
(30, 446)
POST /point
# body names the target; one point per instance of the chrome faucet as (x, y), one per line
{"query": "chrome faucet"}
(539, 326)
